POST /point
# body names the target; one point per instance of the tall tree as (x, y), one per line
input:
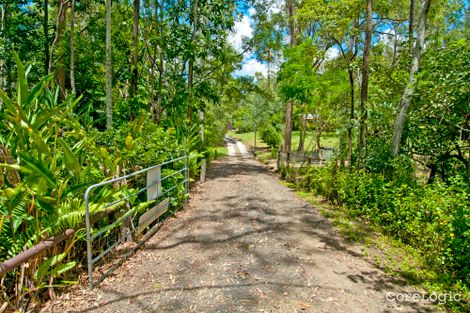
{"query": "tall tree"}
(58, 44)
(191, 58)
(135, 49)
(290, 102)
(46, 36)
(365, 85)
(109, 74)
(72, 46)
(405, 100)
(411, 22)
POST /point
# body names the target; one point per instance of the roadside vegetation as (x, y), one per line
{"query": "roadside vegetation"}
(362, 103)
(387, 89)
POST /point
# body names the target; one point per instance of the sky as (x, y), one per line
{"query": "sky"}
(243, 29)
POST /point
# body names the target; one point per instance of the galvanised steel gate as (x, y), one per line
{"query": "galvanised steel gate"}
(155, 190)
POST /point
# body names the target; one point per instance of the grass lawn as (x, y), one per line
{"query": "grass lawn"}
(221, 151)
(328, 140)
(248, 138)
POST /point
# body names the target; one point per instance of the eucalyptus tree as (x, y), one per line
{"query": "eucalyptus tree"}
(337, 24)
(405, 100)
(109, 73)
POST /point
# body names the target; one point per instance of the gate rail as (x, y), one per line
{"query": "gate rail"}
(154, 191)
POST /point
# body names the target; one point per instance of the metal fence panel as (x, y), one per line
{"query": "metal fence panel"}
(154, 190)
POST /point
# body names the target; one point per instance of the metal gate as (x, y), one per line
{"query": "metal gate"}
(157, 188)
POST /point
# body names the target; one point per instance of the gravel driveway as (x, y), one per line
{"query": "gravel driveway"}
(245, 243)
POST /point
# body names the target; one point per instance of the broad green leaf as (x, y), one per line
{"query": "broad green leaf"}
(22, 81)
(38, 168)
(70, 159)
(38, 88)
(62, 268)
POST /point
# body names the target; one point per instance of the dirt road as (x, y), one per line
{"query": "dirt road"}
(245, 243)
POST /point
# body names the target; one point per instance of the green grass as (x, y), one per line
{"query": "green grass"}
(328, 140)
(221, 151)
(248, 138)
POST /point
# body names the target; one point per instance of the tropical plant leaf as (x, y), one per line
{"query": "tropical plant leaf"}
(62, 268)
(38, 168)
(70, 159)
(7, 101)
(38, 88)
(15, 167)
(22, 81)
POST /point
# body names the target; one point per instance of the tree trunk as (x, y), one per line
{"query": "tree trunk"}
(302, 132)
(365, 87)
(109, 74)
(288, 129)
(45, 26)
(290, 103)
(254, 143)
(410, 87)
(411, 21)
(191, 62)
(60, 35)
(160, 65)
(468, 161)
(2, 48)
(135, 49)
(351, 117)
(152, 61)
(72, 46)
(319, 148)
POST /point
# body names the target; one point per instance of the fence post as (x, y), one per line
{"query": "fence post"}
(186, 172)
(203, 170)
(88, 240)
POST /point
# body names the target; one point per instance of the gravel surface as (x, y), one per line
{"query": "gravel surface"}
(244, 243)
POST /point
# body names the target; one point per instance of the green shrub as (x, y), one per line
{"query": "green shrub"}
(270, 136)
(433, 218)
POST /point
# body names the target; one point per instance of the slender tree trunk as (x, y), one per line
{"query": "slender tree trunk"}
(290, 103)
(288, 128)
(365, 86)
(468, 161)
(191, 62)
(410, 87)
(395, 46)
(45, 26)
(254, 143)
(302, 132)
(318, 139)
(7, 49)
(411, 21)
(160, 64)
(60, 35)
(109, 74)
(152, 61)
(351, 117)
(72, 46)
(135, 49)
(2, 48)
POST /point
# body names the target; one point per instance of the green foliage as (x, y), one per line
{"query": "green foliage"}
(270, 136)
(433, 218)
(47, 159)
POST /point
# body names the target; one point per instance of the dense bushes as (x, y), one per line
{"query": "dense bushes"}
(48, 159)
(270, 136)
(433, 218)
